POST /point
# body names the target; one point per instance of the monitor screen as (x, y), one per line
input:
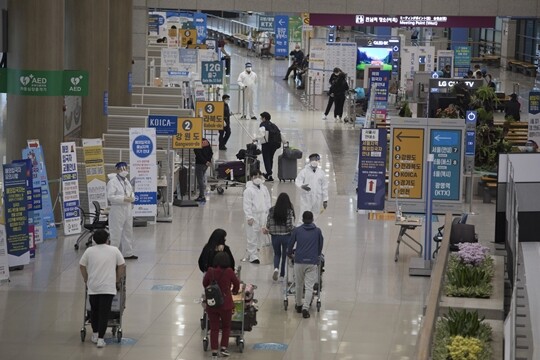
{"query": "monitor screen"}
(381, 57)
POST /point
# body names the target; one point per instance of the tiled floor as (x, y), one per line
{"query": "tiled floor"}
(371, 307)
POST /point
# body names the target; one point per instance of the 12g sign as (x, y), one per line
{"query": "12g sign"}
(212, 73)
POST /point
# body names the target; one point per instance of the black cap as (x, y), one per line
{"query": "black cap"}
(315, 155)
(265, 115)
(225, 97)
(307, 217)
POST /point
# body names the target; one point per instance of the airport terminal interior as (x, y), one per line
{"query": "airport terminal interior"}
(371, 308)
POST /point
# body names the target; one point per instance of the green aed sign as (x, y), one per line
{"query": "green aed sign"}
(44, 82)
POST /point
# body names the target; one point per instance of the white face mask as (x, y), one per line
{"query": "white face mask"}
(248, 70)
(257, 181)
(314, 164)
(227, 101)
(124, 173)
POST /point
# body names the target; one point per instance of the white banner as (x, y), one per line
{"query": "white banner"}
(95, 173)
(70, 188)
(143, 170)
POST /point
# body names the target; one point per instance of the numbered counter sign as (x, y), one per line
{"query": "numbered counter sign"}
(190, 133)
(212, 114)
(212, 73)
(188, 36)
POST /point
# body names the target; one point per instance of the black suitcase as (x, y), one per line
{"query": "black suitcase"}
(287, 168)
(183, 177)
(237, 167)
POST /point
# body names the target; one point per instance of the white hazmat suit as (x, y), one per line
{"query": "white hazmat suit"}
(312, 200)
(248, 81)
(256, 206)
(120, 214)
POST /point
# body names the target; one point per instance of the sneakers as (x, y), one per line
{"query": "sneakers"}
(305, 314)
(222, 148)
(94, 338)
(270, 179)
(253, 118)
(200, 199)
(214, 355)
(298, 308)
(275, 275)
(256, 261)
(101, 343)
(224, 352)
(132, 257)
(324, 117)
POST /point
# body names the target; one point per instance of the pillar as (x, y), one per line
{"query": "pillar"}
(120, 51)
(87, 48)
(35, 42)
(508, 41)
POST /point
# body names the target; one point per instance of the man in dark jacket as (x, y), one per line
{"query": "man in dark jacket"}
(512, 108)
(225, 134)
(309, 244)
(203, 159)
(297, 58)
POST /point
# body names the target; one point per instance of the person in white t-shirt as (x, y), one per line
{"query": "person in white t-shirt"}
(102, 268)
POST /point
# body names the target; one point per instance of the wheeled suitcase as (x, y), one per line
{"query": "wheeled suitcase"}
(286, 168)
(238, 169)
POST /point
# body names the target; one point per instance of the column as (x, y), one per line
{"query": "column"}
(120, 52)
(508, 41)
(36, 42)
(87, 48)
(139, 34)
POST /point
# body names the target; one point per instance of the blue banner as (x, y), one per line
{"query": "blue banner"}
(381, 78)
(372, 169)
(281, 23)
(164, 124)
(35, 153)
(445, 145)
(16, 213)
(199, 21)
(534, 102)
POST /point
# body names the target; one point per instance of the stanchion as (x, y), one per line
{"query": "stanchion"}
(185, 202)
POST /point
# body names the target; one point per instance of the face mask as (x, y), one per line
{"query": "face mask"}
(248, 70)
(226, 101)
(529, 149)
(314, 164)
(124, 173)
(257, 181)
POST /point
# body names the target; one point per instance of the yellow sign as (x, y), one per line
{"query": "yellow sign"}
(190, 133)
(305, 18)
(212, 114)
(407, 163)
(188, 37)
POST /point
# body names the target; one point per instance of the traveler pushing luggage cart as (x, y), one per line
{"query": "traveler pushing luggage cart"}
(289, 285)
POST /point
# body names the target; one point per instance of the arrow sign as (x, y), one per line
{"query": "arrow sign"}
(371, 186)
(281, 22)
(400, 136)
(439, 138)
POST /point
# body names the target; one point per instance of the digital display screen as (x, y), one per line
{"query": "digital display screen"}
(381, 57)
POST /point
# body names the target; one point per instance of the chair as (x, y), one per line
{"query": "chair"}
(438, 238)
(90, 223)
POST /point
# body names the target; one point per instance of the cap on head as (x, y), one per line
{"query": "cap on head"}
(307, 217)
(513, 96)
(121, 164)
(248, 65)
(315, 156)
(225, 97)
(265, 115)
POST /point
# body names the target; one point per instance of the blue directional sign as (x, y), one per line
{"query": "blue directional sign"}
(372, 169)
(199, 20)
(164, 124)
(281, 23)
(445, 145)
(212, 73)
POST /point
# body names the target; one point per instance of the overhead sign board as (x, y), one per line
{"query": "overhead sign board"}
(189, 133)
(281, 23)
(266, 23)
(445, 145)
(212, 73)
(407, 171)
(404, 20)
(212, 114)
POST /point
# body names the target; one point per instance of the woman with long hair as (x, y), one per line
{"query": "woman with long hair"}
(279, 225)
(215, 244)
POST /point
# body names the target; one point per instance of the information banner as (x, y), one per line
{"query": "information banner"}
(143, 165)
(281, 23)
(445, 57)
(200, 21)
(34, 152)
(372, 169)
(70, 188)
(534, 117)
(462, 60)
(381, 79)
(35, 230)
(212, 114)
(164, 124)
(189, 134)
(15, 210)
(446, 145)
(407, 163)
(95, 173)
(212, 73)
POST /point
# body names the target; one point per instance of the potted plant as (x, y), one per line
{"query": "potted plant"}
(405, 110)
(462, 335)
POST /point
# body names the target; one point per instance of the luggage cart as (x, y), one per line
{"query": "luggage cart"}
(289, 286)
(350, 107)
(115, 316)
(219, 182)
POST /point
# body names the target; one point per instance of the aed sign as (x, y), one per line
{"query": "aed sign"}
(407, 171)
(212, 114)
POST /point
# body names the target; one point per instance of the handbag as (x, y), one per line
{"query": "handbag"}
(266, 252)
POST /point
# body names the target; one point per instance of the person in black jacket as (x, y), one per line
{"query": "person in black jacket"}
(215, 244)
(338, 91)
(225, 134)
(512, 108)
(331, 99)
(203, 159)
(297, 58)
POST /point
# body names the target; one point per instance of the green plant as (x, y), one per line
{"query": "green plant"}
(464, 348)
(405, 110)
(462, 322)
(486, 98)
(465, 280)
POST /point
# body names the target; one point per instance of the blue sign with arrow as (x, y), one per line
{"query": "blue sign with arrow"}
(282, 35)
(446, 146)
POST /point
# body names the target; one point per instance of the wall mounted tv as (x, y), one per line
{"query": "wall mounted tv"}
(376, 56)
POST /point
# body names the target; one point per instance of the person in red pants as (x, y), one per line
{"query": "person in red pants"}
(226, 278)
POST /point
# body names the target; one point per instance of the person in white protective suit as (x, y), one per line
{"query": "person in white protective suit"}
(121, 197)
(247, 80)
(256, 206)
(313, 185)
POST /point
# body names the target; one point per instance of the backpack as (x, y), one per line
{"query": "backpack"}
(213, 294)
(274, 134)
